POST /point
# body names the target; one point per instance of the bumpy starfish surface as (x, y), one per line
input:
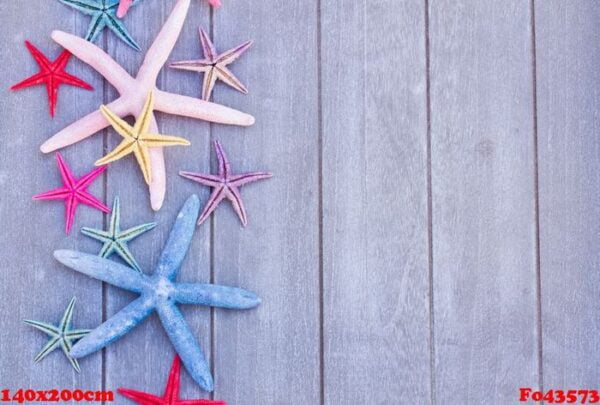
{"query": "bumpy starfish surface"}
(214, 66)
(52, 74)
(171, 395)
(60, 336)
(73, 191)
(161, 293)
(134, 93)
(115, 240)
(225, 185)
(137, 139)
(104, 14)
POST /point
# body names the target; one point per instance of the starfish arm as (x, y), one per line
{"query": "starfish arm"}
(65, 172)
(84, 7)
(123, 149)
(229, 78)
(136, 231)
(83, 128)
(215, 3)
(71, 80)
(196, 65)
(224, 166)
(76, 334)
(96, 58)
(86, 180)
(48, 329)
(107, 249)
(123, 8)
(238, 205)
(36, 79)
(119, 124)
(97, 24)
(242, 179)
(143, 158)
(208, 180)
(163, 44)
(71, 204)
(115, 217)
(66, 348)
(179, 240)
(158, 183)
(159, 141)
(38, 56)
(47, 349)
(67, 317)
(92, 201)
(194, 108)
(229, 56)
(208, 48)
(99, 235)
(102, 269)
(125, 254)
(119, 29)
(146, 116)
(215, 296)
(185, 344)
(208, 83)
(215, 198)
(172, 390)
(56, 194)
(115, 327)
(140, 397)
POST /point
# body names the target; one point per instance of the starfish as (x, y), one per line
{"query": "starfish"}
(123, 8)
(61, 335)
(52, 74)
(161, 293)
(225, 184)
(171, 395)
(134, 92)
(115, 240)
(104, 14)
(73, 191)
(137, 139)
(214, 66)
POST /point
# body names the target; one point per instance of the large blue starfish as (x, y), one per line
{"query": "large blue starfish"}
(158, 292)
(104, 14)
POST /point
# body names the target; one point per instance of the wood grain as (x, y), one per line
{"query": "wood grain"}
(483, 201)
(375, 243)
(567, 40)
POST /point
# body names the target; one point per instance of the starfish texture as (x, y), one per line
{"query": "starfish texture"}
(115, 240)
(137, 139)
(134, 93)
(52, 74)
(225, 185)
(74, 191)
(171, 394)
(161, 293)
(214, 66)
(104, 14)
(60, 336)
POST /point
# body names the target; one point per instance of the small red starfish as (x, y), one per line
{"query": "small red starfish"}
(73, 191)
(171, 395)
(52, 74)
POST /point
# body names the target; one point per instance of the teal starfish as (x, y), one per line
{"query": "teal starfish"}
(62, 336)
(115, 240)
(104, 14)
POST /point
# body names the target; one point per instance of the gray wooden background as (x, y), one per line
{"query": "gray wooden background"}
(431, 234)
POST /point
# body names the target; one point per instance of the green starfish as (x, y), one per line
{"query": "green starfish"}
(62, 336)
(104, 14)
(115, 240)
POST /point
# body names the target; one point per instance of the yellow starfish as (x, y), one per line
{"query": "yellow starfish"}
(137, 139)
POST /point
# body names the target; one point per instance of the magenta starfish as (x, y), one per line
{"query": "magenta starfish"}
(52, 74)
(226, 185)
(73, 191)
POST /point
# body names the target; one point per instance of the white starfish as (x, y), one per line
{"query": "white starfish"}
(134, 92)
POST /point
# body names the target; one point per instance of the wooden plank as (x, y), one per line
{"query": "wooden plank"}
(567, 43)
(33, 285)
(142, 359)
(375, 238)
(271, 355)
(483, 201)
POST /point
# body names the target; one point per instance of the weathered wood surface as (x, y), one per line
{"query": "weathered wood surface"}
(435, 164)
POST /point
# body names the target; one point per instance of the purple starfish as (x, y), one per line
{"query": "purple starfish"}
(226, 185)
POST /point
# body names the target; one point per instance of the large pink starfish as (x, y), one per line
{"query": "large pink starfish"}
(135, 91)
(73, 191)
(225, 185)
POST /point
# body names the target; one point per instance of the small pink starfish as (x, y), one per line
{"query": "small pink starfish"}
(73, 191)
(226, 185)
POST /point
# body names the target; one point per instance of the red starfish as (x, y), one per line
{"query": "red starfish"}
(52, 74)
(73, 191)
(171, 395)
